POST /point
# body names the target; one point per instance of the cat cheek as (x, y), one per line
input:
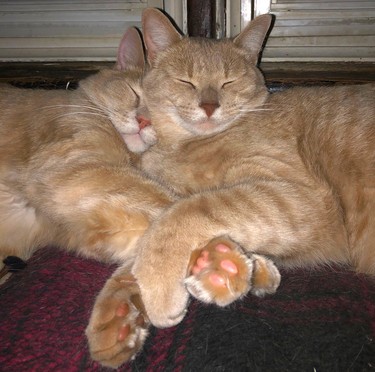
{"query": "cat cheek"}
(148, 135)
(125, 125)
(134, 143)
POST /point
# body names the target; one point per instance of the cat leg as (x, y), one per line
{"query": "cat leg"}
(22, 229)
(255, 216)
(361, 228)
(118, 325)
(221, 273)
(102, 211)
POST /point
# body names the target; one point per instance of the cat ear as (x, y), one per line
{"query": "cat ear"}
(158, 32)
(253, 36)
(130, 52)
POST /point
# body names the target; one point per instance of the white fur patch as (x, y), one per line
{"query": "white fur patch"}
(197, 290)
(19, 225)
(141, 140)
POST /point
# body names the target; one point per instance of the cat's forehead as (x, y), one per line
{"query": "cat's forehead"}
(197, 56)
(132, 75)
(119, 78)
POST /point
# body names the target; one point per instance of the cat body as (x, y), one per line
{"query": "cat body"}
(290, 146)
(66, 176)
(288, 175)
(285, 178)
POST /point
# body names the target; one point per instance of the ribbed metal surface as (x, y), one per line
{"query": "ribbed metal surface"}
(60, 30)
(322, 31)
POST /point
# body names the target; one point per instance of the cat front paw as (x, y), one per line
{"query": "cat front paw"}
(221, 273)
(266, 276)
(118, 325)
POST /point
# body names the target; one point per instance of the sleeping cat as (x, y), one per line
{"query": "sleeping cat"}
(66, 177)
(118, 324)
(289, 175)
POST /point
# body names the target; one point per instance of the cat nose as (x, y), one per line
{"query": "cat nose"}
(143, 121)
(209, 107)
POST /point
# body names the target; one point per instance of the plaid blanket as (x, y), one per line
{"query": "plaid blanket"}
(321, 320)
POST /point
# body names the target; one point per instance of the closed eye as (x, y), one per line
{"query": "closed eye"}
(137, 97)
(186, 83)
(227, 83)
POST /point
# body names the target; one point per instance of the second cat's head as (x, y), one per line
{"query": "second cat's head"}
(202, 85)
(118, 94)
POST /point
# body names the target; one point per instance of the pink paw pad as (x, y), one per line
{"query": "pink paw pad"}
(217, 280)
(219, 272)
(204, 260)
(122, 311)
(123, 332)
(229, 266)
(201, 263)
(222, 248)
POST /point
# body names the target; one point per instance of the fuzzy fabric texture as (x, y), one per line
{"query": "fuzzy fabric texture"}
(321, 320)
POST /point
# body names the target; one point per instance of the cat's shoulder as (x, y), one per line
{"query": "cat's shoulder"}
(341, 91)
(11, 93)
(8, 88)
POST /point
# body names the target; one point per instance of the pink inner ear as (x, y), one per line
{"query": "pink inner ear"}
(130, 51)
(158, 32)
(120, 64)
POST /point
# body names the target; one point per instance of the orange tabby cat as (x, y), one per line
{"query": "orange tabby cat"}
(289, 175)
(66, 177)
(118, 324)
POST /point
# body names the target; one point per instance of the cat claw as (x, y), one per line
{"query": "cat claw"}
(221, 273)
(119, 325)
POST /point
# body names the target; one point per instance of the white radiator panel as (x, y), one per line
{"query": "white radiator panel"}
(66, 30)
(322, 31)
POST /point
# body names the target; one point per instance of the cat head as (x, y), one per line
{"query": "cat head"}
(118, 94)
(202, 85)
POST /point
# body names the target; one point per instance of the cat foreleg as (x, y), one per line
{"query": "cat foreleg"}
(119, 324)
(221, 273)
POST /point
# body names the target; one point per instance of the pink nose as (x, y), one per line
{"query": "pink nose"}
(143, 121)
(209, 108)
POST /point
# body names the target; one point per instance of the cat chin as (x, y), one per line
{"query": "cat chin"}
(148, 135)
(135, 143)
(125, 125)
(208, 127)
(139, 142)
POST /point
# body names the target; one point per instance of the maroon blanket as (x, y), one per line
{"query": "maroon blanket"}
(321, 320)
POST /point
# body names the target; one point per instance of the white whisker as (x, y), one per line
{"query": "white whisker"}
(94, 108)
(108, 110)
(80, 113)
